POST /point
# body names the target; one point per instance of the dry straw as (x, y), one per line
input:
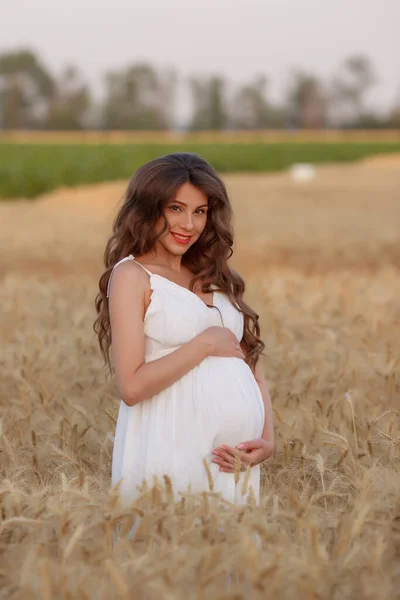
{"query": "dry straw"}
(326, 286)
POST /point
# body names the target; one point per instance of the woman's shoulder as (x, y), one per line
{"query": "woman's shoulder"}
(127, 273)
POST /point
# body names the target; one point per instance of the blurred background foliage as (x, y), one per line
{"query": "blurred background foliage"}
(139, 96)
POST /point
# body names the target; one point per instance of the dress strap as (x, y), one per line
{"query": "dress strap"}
(130, 257)
(138, 263)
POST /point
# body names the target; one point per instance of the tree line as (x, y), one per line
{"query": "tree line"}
(139, 96)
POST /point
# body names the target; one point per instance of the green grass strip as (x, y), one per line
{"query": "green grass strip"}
(27, 170)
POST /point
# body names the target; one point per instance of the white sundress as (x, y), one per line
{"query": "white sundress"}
(217, 402)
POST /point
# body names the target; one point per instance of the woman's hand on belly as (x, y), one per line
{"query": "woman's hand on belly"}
(250, 453)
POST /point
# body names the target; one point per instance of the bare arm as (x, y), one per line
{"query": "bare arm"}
(135, 379)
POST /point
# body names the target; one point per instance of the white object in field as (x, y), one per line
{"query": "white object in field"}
(302, 171)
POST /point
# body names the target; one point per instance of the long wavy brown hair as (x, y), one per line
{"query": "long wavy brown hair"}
(151, 187)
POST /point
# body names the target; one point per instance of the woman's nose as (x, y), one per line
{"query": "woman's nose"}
(188, 223)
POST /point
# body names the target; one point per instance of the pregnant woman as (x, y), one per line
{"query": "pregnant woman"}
(184, 344)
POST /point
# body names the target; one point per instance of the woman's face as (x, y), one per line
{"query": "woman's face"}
(186, 215)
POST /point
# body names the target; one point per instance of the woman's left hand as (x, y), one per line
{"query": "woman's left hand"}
(250, 453)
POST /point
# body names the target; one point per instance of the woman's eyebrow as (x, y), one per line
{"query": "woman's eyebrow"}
(183, 204)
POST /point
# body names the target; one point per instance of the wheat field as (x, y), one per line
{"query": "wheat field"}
(212, 136)
(322, 264)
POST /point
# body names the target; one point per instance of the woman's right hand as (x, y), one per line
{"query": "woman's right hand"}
(221, 341)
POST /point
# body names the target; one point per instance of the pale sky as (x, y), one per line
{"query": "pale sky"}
(236, 38)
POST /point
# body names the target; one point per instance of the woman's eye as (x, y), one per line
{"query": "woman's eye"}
(174, 206)
(201, 211)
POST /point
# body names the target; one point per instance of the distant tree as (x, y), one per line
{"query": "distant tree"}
(139, 97)
(70, 101)
(307, 101)
(209, 106)
(250, 108)
(394, 117)
(349, 87)
(25, 87)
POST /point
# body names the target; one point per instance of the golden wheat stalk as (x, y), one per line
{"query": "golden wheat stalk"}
(335, 435)
(246, 478)
(6, 524)
(121, 586)
(386, 413)
(321, 468)
(73, 541)
(209, 475)
(350, 401)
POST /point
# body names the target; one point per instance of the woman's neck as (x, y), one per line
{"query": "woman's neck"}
(162, 257)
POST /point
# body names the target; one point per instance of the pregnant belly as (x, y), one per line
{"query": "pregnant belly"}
(228, 401)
